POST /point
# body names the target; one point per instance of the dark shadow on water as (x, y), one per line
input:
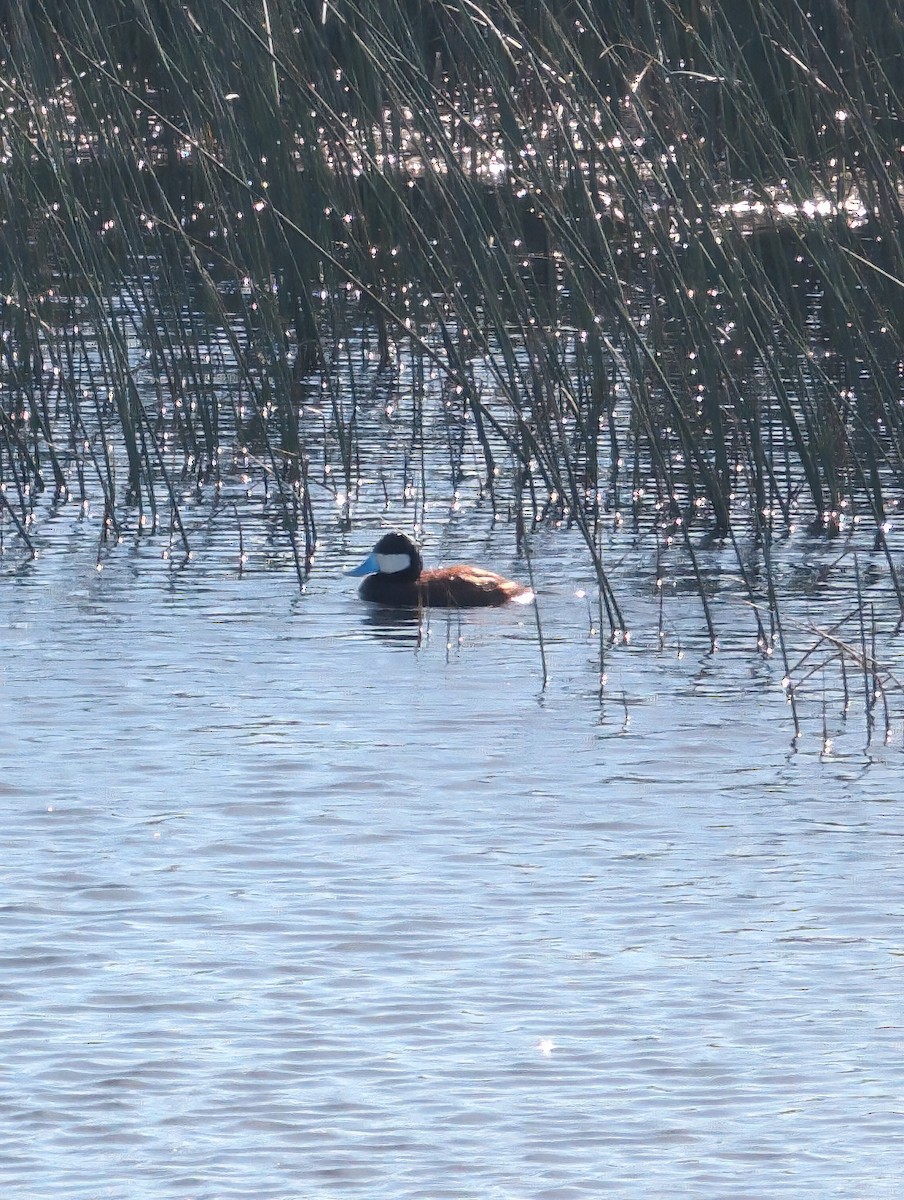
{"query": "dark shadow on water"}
(404, 628)
(411, 628)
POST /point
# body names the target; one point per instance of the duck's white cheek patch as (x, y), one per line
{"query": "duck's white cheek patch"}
(390, 564)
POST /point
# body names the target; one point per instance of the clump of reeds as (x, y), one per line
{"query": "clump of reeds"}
(650, 251)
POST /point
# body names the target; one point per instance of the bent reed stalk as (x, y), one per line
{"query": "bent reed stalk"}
(650, 250)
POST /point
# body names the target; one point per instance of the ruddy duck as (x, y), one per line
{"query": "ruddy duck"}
(396, 579)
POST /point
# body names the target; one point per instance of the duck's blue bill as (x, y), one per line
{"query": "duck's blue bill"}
(370, 566)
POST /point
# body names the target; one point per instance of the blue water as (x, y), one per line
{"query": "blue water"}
(298, 901)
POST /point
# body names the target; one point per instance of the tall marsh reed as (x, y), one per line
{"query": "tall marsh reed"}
(652, 252)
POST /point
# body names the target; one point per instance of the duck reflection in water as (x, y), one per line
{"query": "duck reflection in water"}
(396, 579)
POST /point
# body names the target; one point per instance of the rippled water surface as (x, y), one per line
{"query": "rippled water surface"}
(302, 901)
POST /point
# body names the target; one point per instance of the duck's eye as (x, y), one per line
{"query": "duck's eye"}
(391, 564)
